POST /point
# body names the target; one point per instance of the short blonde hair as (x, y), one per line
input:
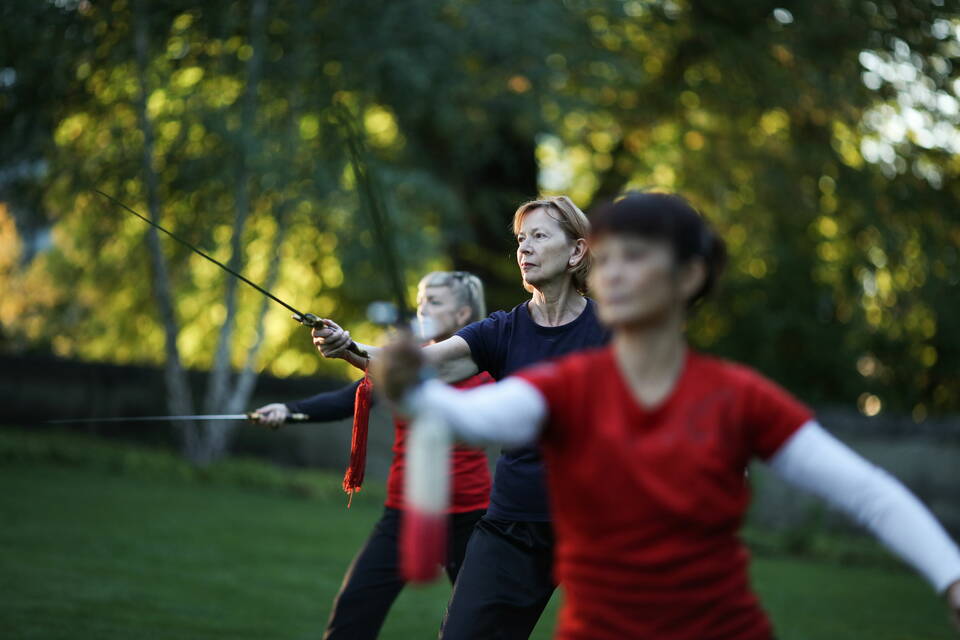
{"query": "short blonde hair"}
(574, 224)
(467, 288)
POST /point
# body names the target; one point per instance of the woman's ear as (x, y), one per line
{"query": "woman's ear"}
(579, 251)
(462, 315)
(692, 277)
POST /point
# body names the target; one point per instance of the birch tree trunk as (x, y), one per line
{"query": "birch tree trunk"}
(247, 379)
(179, 399)
(218, 386)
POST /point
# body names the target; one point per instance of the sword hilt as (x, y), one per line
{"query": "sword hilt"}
(316, 322)
(253, 416)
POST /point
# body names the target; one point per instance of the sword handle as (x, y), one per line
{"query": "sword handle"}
(293, 417)
(316, 322)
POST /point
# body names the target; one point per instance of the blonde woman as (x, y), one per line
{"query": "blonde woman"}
(446, 301)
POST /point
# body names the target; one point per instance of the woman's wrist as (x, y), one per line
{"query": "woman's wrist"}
(360, 362)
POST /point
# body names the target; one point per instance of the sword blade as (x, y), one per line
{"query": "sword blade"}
(221, 416)
(201, 253)
(306, 319)
(381, 221)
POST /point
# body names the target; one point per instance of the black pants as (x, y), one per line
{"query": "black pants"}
(505, 583)
(373, 580)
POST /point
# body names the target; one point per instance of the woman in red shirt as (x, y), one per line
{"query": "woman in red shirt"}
(646, 444)
(446, 302)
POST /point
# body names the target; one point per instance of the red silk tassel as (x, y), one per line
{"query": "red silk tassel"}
(423, 545)
(424, 523)
(353, 478)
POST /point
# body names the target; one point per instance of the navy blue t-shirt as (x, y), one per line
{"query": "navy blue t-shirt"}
(502, 344)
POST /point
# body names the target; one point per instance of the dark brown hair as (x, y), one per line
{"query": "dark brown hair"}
(668, 217)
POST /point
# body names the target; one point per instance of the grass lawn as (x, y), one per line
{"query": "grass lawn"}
(87, 553)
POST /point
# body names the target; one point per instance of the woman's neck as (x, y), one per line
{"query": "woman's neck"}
(651, 357)
(556, 303)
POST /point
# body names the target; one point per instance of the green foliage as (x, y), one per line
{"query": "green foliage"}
(820, 137)
(813, 542)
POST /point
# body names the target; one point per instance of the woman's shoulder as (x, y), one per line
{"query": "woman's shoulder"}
(731, 372)
(566, 379)
(499, 317)
(581, 365)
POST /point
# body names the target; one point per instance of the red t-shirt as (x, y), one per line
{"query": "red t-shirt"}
(647, 502)
(470, 474)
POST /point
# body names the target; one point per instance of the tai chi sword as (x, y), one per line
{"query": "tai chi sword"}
(252, 415)
(306, 319)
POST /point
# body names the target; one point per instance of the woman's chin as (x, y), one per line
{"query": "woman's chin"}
(530, 283)
(537, 279)
(626, 316)
(614, 316)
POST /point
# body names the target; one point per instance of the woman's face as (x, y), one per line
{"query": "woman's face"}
(637, 282)
(438, 313)
(544, 252)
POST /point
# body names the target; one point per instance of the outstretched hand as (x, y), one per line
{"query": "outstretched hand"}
(953, 602)
(397, 369)
(271, 415)
(331, 341)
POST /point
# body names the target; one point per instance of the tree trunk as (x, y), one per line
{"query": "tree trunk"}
(247, 379)
(179, 400)
(218, 396)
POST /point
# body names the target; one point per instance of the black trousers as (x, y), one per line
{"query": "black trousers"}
(505, 583)
(373, 580)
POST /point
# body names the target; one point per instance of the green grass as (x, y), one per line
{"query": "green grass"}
(99, 552)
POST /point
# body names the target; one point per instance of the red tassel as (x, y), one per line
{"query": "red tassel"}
(423, 526)
(353, 478)
(423, 545)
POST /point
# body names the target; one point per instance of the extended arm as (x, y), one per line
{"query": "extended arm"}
(510, 413)
(450, 358)
(814, 460)
(328, 405)
(323, 407)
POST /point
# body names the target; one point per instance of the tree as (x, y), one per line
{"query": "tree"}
(822, 147)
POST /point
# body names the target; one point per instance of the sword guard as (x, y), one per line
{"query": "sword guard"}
(309, 320)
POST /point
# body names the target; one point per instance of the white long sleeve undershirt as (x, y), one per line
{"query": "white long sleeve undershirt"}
(509, 413)
(817, 462)
(512, 413)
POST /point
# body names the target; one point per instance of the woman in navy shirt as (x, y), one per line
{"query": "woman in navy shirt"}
(507, 575)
